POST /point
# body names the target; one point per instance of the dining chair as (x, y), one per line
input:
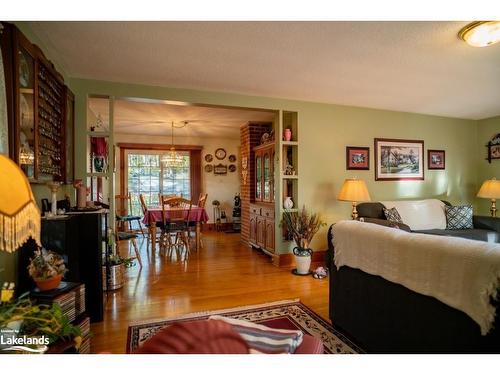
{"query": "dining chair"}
(202, 200)
(124, 214)
(144, 208)
(132, 237)
(175, 225)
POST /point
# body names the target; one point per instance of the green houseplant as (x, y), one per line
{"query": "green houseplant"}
(38, 320)
(302, 225)
(47, 269)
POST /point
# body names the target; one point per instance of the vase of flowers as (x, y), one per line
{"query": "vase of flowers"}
(301, 227)
(47, 269)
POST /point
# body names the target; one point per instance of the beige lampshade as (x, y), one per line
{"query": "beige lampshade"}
(19, 214)
(490, 189)
(354, 190)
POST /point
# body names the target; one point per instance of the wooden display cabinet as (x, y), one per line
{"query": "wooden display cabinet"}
(40, 121)
(264, 173)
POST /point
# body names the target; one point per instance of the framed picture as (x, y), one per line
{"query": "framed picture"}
(357, 157)
(436, 159)
(398, 159)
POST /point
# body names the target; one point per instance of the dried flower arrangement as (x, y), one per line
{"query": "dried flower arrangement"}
(302, 226)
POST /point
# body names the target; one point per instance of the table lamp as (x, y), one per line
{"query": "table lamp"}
(19, 213)
(490, 189)
(354, 190)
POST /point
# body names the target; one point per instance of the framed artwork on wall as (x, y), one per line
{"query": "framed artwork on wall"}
(399, 159)
(436, 159)
(357, 158)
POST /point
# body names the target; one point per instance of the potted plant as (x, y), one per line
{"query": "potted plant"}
(302, 226)
(116, 276)
(47, 269)
(25, 318)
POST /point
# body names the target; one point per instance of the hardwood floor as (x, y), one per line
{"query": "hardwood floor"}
(225, 273)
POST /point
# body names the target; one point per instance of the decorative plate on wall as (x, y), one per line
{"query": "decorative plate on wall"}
(209, 168)
(220, 153)
(232, 168)
(208, 158)
(232, 158)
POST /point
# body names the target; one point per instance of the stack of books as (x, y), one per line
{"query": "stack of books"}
(85, 331)
(64, 296)
(71, 299)
(80, 299)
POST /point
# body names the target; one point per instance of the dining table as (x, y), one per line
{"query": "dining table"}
(154, 214)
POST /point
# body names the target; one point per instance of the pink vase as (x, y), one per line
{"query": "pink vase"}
(288, 135)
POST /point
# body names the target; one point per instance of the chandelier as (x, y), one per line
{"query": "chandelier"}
(173, 159)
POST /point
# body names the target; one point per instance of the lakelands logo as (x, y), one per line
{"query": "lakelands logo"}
(11, 341)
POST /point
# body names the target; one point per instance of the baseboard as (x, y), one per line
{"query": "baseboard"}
(222, 226)
(288, 261)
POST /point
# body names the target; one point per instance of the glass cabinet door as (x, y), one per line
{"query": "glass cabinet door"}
(258, 178)
(26, 105)
(267, 177)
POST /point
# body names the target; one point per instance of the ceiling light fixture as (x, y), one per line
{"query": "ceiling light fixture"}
(481, 33)
(173, 159)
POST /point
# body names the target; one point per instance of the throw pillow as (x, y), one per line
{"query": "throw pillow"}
(264, 339)
(459, 217)
(392, 214)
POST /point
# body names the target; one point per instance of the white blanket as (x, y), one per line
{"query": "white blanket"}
(461, 273)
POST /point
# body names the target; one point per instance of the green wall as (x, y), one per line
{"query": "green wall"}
(324, 132)
(486, 129)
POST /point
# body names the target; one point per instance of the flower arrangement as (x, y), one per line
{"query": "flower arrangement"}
(46, 265)
(302, 226)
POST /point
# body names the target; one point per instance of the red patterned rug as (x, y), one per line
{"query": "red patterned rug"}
(279, 314)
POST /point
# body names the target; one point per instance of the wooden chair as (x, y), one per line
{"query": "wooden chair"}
(202, 200)
(124, 213)
(132, 237)
(175, 223)
(144, 208)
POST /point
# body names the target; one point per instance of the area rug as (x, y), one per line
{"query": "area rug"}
(290, 314)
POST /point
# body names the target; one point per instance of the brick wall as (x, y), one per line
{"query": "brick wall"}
(250, 137)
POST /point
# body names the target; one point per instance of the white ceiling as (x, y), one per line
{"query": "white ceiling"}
(417, 67)
(155, 118)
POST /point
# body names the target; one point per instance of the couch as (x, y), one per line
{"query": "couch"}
(428, 216)
(383, 316)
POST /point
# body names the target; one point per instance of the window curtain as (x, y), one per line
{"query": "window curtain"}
(195, 172)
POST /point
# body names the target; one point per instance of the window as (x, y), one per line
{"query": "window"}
(146, 175)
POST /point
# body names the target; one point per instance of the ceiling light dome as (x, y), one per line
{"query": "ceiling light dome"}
(481, 33)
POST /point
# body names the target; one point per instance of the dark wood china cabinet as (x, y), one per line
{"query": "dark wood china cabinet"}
(262, 222)
(41, 115)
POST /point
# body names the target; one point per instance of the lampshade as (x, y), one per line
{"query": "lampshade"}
(354, 190)
(490, 189)
(19, 214)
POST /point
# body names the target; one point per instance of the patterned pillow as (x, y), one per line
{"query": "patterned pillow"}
(392, 214)
(459, 217)
(263, 339)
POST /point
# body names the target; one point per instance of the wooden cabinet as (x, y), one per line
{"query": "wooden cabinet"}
(262, 227)
(253, 228)
(264, 173)
(41, 122)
